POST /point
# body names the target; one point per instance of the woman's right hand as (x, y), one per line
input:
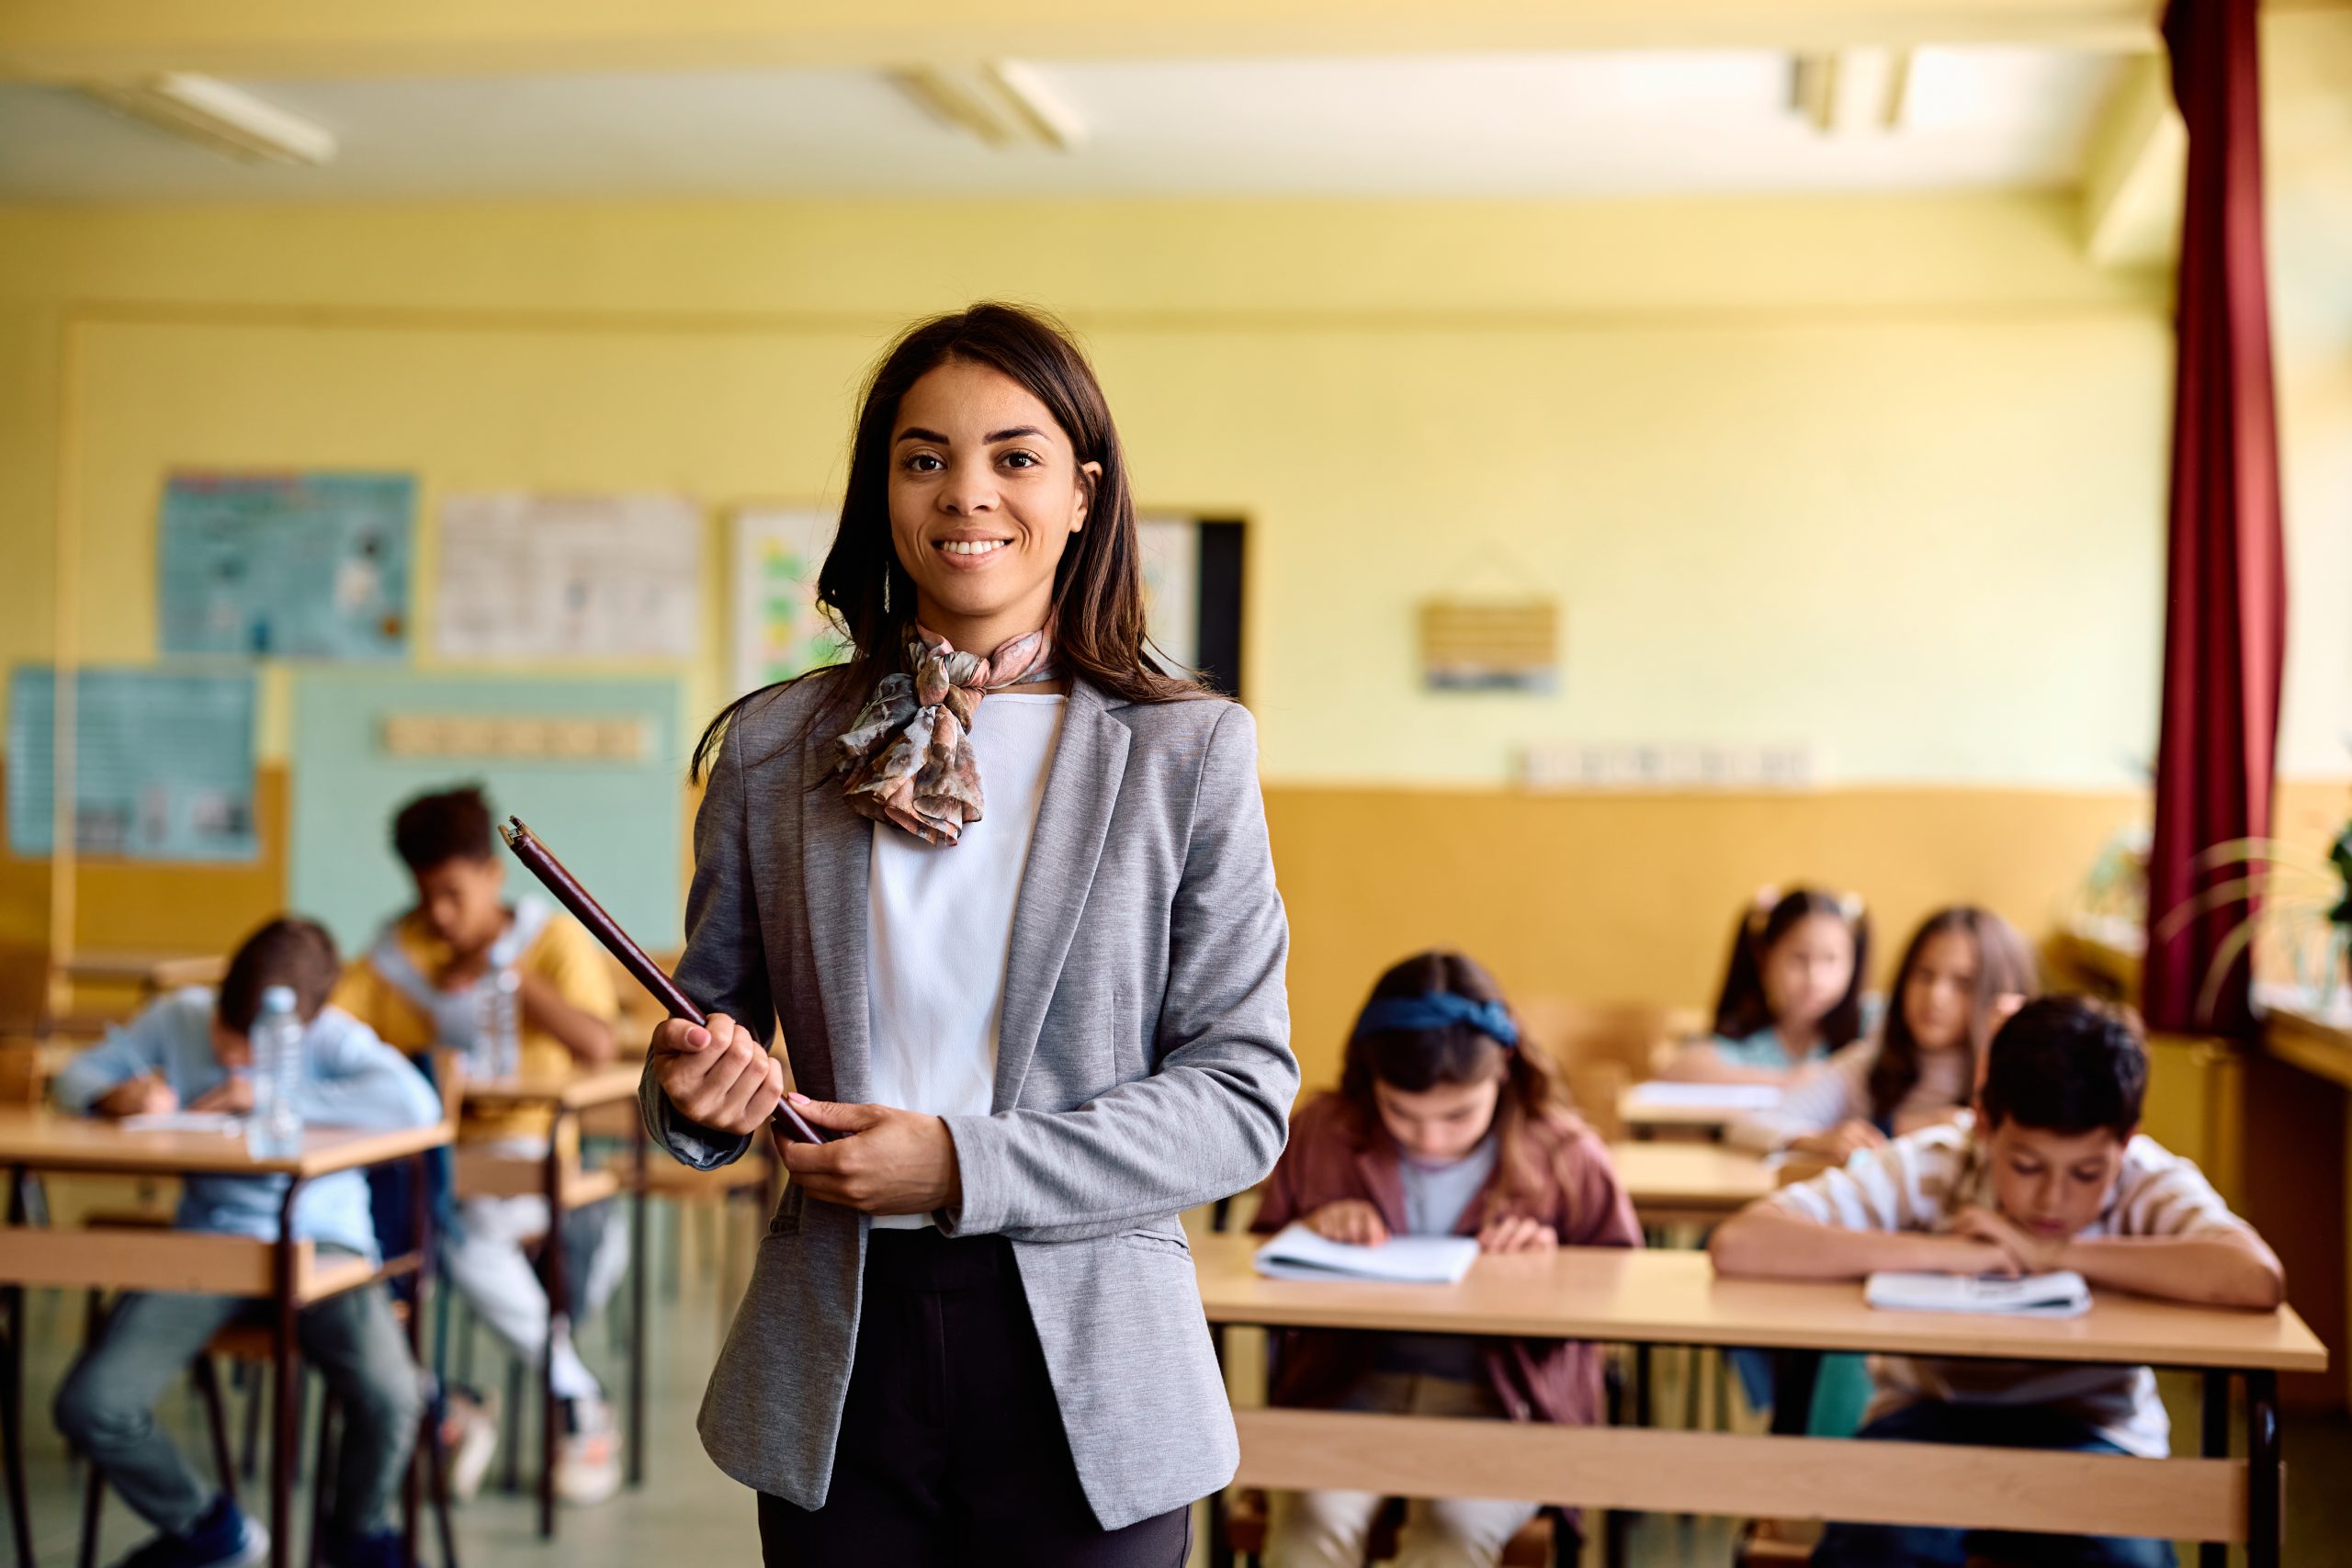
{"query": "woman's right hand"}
(718, 1074)
(1842, 1142)
(1350, 1219)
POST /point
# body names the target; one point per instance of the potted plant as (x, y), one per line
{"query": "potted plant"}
(2302, 904)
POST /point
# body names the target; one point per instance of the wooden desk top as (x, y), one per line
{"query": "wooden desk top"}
(48, 1140)
(1691, 1179)
(1674, 1298)
(570, 1091)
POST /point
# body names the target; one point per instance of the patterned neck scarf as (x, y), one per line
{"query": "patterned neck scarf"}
(908, 759)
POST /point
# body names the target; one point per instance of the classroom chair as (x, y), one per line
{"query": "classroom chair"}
(1634, 1034)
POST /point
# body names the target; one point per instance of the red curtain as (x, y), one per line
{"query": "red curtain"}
(2225, 597)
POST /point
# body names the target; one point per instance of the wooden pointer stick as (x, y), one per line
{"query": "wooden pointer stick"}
(606, 930)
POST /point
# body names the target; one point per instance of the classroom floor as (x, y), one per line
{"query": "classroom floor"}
(689, 1512)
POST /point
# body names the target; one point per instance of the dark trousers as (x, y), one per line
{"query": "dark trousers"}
(952, 1448)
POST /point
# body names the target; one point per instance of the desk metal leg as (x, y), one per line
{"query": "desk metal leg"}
(285, 1387)
(1794, 1374)
(551, 1279)
(2265, 1477)
(11, 1395)
(1220, 1547)
(636, 1322)
(2216, 1445)
(420, 1231)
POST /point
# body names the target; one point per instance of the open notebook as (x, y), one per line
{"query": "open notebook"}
(2063, 1295)
(1296, 1253)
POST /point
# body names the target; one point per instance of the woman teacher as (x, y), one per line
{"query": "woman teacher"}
(1007, 882)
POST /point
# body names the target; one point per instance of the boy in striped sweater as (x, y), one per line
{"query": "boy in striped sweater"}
(2050, 1173)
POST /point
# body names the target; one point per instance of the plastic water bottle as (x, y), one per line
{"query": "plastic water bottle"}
(274, 1131)
(505, 1033)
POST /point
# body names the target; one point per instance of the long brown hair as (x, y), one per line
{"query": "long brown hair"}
(1415, 1060)
(1742, 1009)
(2003, 965)
(1098, 607)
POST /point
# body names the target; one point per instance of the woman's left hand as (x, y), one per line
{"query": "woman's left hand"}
(889, 1162)
(1517, 1232)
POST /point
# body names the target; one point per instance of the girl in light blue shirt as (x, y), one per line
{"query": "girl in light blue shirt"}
(1792, 992)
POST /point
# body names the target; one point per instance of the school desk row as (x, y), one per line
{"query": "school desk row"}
(1607, 1295)
(291, 1275)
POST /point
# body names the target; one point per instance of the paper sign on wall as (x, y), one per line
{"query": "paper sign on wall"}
(310, 566)
(779, 632)
(1170, 548)
(556, 576)
(162, 764)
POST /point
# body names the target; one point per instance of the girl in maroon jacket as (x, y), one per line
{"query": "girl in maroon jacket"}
(1446, 1123)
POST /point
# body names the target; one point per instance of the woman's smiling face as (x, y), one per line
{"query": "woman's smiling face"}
(985, 494)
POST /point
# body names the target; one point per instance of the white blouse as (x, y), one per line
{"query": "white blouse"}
(939, 926)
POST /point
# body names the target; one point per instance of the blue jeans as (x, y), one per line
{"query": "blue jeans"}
(1991, 1425)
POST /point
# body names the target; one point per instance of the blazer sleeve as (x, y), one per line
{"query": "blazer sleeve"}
(725, 966)
(1211, 1120)
(1603, 1212)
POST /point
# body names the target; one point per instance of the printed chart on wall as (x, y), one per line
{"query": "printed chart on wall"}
(779, 632)
(162, 764)
(1171, 585)
(303, 565)
(527, 577)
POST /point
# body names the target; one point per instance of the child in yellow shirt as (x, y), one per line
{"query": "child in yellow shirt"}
(433, 979)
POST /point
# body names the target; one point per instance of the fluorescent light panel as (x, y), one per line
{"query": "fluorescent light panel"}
(1003, 103)
(224, 118)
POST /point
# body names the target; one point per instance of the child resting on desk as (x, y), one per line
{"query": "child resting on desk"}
(2052, 1174)
(1965, 970)
(427, 982)
(189, 1051)
(1446, 1123)
(1792, 991)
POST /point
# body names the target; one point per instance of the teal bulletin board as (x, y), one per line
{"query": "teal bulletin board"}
(162, 763)
(615, 821)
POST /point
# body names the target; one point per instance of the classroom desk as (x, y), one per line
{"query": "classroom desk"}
(1682, 1182)
(558, 1178)
(289, 1274)
(1612, 1295)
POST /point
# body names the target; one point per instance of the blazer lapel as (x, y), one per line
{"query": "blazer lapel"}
(837, 848)
(1072, 823)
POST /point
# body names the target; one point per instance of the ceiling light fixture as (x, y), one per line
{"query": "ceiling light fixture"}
(1002, 103)
(1852, 89)
(212, 114)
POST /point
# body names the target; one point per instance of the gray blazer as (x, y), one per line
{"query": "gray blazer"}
(1143, 1067)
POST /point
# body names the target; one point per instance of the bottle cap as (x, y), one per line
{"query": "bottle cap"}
(278, 998)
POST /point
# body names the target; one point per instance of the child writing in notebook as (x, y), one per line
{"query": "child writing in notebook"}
(1964, 971)
(1792, 991)
(1447, 1122)
(2052, 1174)
(190, 1050)
(434, 977)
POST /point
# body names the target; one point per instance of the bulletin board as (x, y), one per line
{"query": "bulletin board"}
(596, 766)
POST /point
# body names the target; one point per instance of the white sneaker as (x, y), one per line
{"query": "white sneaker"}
(587, 1456)
(470, 1432)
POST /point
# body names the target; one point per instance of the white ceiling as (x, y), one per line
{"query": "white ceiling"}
(1470, 125)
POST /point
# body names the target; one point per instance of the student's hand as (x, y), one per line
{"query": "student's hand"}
(2034, 1255)
(1517, 1232)
(891, 1162)
(145, 1096)
(720, 1075)
(1842, 1142)
(1350, 1219)
(234, 1095)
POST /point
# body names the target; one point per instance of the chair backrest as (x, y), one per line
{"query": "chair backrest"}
(1634, 1034)
(1596, 1087)
(19, 1072)
(173, 973)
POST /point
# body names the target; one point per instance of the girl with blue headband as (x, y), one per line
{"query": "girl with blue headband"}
(1447, 1120)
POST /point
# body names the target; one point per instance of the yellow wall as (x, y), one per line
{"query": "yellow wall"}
(1835, 472)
